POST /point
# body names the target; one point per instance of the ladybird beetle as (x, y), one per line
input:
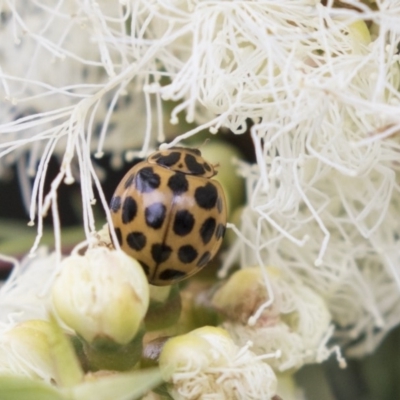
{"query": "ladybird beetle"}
(169, 214)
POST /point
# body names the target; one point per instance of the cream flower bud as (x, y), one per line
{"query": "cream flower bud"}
(102, 295)
(184, 353)
(221, 346)
(242, 294)
(206, 362)
(25, 351)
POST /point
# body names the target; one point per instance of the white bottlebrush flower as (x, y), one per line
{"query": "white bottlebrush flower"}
(296, 323)
(25, 294)
(321, 91)
(103, 294)
(205, 363)
(74, 90)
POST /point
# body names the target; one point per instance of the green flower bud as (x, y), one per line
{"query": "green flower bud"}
(359, 33)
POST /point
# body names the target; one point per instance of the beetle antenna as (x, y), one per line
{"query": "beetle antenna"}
(206, 141)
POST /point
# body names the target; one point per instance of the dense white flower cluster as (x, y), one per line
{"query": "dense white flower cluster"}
(317, 84)
(69, 87)
(324, 197)
(290, 317)
(205, 363)
(24, 296)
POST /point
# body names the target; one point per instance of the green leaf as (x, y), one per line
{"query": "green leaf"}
(120, 386)
(69, 371)
(21, 388)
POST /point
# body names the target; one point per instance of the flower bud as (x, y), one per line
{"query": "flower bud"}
(221, 346)
(25, 351)
(241, 295)
(184, 353)
(359, 33)
(102, 295)
(206, 362)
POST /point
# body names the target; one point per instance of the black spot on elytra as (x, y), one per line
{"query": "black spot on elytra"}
(219, 204)
(204, 259)
(171, 275)
(129, 210)
(220, 232)
(207, 229)
(169, 160)
(183, 222)
(128, 182)
(193, 166)
(115, 204)
(207, 167)
(187, 254)
(118, 234)
(136, 240)
(180, 165)
(206, 196)
(146, 180)
(160, 252)
(155, 215)
(145, 267)
(178, 183)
